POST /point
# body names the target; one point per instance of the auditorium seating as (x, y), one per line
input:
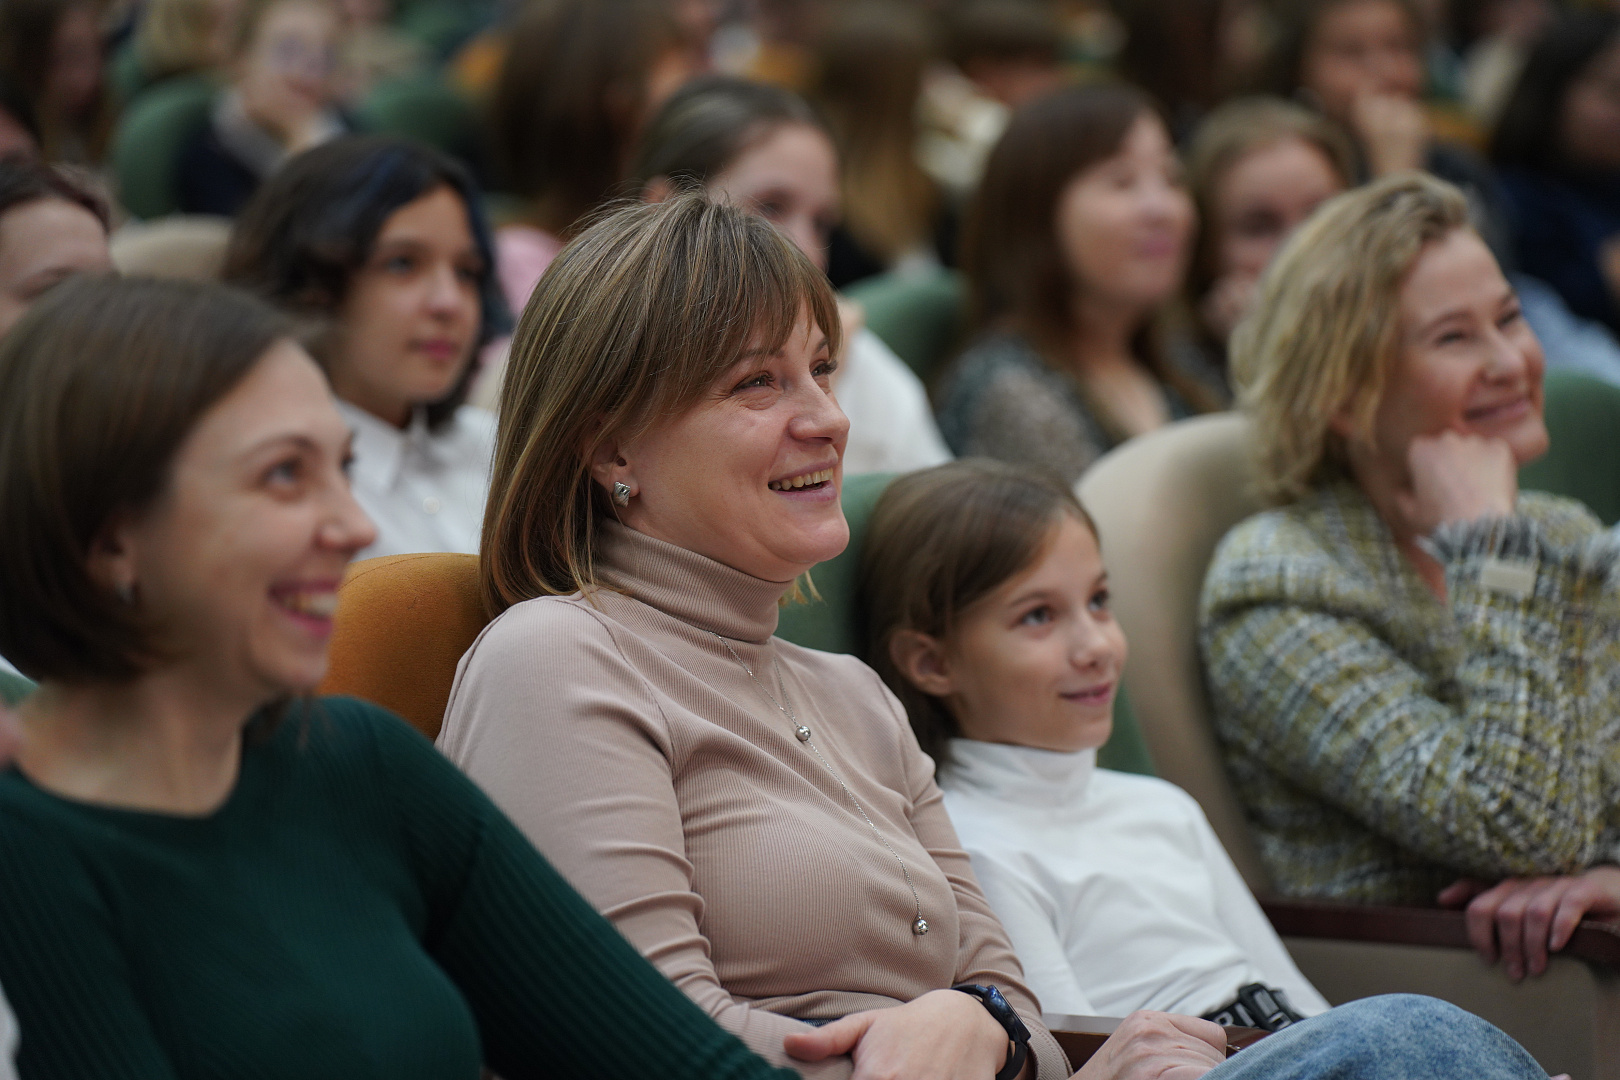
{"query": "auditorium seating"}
(1162, 502)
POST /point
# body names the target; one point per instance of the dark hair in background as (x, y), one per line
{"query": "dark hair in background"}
(568, 100)
(707, 124)
(1528, 133)
(868, 68)
(940, 540)
(1295, 27)
(18, 105)
(100, 384)
(1002, 30)
(23, 180)
(1172, 50)
(310, 227)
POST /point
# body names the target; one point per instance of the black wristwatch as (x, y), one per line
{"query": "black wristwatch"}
(1007, 1017)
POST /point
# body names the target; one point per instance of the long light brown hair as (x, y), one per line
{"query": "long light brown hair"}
(634, 320)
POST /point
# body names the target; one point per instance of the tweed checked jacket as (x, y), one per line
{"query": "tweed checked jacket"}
(1384, 743)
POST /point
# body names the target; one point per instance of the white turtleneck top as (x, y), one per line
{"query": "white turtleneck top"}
(1114, 889)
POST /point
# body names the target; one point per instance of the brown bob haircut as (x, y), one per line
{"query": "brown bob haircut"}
(100, 384)
(939, 541)
(635, 319)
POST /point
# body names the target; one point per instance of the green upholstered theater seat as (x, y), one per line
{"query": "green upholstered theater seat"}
(920, 316)
(1583, 418)
(425, 109)
(150, 136)
(832, 623)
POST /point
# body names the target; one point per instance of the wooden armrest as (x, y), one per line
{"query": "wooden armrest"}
(1594, 941)
(1081, 1036)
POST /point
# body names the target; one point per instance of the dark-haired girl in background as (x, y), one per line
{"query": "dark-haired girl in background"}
(1558, 149)
(383, 242)
(1078, 238)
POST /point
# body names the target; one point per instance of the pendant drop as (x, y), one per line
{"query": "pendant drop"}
(920, 927)
(802, 732)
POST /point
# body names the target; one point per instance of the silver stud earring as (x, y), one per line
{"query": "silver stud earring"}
(621, 493)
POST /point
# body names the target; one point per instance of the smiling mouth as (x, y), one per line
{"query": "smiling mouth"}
(1506, 410)
(318, 604)
(1095, 695)
(811, 481)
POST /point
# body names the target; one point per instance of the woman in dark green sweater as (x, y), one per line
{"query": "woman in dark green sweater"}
(202, 875)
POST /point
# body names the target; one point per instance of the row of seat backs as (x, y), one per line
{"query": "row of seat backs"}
(162, 119)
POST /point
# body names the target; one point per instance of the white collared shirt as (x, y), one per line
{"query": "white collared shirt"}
(1115, 892)
(891, 423)
(424, 490)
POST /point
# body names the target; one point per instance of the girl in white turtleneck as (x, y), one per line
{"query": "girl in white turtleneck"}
(989, 618)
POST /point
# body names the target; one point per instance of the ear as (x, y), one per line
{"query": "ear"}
(657, 190)
(608, 465)
(1343, 423)
(921, 660)
(111, 561)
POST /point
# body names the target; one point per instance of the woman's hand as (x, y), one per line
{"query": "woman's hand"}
(1394, 130)
(1526, 918)
(944, 1034)
(1158, 1046)
(1229, 299)
(1458, 477)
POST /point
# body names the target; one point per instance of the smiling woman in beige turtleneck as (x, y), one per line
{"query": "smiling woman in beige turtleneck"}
(629, 707)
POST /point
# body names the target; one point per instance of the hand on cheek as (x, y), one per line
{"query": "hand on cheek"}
(1459, 478)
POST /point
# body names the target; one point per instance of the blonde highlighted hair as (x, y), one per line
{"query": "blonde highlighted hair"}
(1325, 324)
(635, 319)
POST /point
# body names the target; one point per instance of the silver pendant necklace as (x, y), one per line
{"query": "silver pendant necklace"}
(919, 925)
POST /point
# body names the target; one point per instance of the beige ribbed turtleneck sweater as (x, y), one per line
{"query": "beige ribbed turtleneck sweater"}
(660, 779)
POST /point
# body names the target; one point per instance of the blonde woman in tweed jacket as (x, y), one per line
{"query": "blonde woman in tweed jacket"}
(1412, 663)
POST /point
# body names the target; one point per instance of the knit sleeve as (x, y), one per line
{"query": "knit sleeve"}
(555, 989)
(984, 955)
(1497, 768)
(568, 743)
(77, 1004)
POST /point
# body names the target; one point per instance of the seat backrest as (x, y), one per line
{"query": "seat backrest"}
(1583, 418)
(189, 247)
(150, 136)
(920, 316)
(1162, 502)
(403, 623)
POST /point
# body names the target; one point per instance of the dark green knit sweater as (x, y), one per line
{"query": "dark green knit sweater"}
(357, 909)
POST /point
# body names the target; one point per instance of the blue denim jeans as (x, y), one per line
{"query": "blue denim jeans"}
(1394, 1037)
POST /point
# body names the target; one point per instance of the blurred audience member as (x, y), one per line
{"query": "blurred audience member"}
(200, 875)
(579, 80)
(1411, 661)
(51, 227)
(1077, 240)
(761, 148)
(1558, 147)
(1361, 62)
(1002, 53)
(373, 50)
(281, 101)
(175, 38)
(51, 51)
(867, 77)
(1498, 35)
(1188, 54)
(1257, 167)
(383, 245)
(1012, 50)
